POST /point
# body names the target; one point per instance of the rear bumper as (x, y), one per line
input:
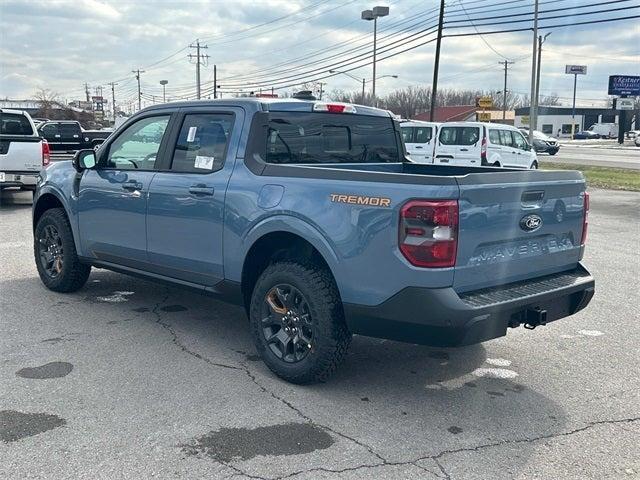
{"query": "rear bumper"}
(20, 179)
(441, 317)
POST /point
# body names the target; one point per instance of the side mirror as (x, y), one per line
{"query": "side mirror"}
(84, 160)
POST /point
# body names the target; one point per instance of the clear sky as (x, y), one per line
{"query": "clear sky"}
(61, 44)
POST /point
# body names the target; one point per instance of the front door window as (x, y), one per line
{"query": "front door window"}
(137, 147)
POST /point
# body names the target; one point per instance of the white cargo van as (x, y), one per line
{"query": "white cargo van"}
(605, 130)
(418, 139)
(477, 144)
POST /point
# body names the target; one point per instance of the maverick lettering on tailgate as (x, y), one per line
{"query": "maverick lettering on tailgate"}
(361, 200)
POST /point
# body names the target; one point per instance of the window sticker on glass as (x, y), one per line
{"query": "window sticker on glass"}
(205, 163)
(191, 136)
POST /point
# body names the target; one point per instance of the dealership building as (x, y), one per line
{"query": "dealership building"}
(556, 121)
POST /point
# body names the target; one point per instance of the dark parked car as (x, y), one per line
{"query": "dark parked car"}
(543, 143)
(585, 135)
(67, 136)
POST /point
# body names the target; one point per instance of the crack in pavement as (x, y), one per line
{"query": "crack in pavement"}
(383, 461)
(437, 457)
(244, 368)
(176, 340)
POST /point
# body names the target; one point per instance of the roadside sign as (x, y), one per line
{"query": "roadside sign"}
(525, 119)
(623, 104)
(484, 116)
(576, 69)
(485, 102)
(624, 85)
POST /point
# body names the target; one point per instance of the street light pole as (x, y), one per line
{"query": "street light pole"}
(373, 15)
(164, 91)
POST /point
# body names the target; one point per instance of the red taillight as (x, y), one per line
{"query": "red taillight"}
(483, 151)
(46, 153)
(585, 221)
(428, 232)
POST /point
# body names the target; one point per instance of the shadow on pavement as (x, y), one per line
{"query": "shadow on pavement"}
(14, 199)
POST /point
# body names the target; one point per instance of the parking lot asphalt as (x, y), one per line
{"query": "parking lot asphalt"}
(131, 379)
(599, 156)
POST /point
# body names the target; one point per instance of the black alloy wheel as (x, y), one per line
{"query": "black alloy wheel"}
(287, 324)
(51, 251)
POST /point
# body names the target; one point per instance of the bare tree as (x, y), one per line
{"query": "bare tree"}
(47, 99)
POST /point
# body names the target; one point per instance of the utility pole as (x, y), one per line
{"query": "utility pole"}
(532, 109)
(113, 99)
(321, 90)
(533, 123)
(506, 64)
(138, 72)
(200, 60)
(86, 91)
(215, 81)
(436, 64)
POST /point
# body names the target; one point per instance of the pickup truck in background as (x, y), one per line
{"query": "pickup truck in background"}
(22, 152)
(309, 214)
(66, 137)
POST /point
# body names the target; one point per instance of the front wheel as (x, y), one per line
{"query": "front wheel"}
(55, 253)
(534, 165)
(297, 322)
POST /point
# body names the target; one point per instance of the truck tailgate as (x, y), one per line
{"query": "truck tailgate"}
(517, 225)
(20, 153)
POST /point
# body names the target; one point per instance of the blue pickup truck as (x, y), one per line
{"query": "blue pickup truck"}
(311, 216)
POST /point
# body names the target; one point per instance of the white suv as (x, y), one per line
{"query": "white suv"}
(483, 144)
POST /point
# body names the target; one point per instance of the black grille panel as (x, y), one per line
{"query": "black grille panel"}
(527, 288)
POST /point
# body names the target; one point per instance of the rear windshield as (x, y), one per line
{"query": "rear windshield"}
(15, 124)
(305, 137)
(459, 135)
(417, 134)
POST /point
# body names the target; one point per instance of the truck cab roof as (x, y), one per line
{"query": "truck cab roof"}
(257, 104)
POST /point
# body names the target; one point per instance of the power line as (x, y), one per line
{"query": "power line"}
(485, 41)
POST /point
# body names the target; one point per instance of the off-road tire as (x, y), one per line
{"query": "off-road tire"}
(331, 337)
(74, 274)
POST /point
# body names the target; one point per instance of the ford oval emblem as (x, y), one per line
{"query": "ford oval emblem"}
(531, 223)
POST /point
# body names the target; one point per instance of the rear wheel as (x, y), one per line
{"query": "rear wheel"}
(55, 253)
(496, 164)
(297, 322)
(534, 165)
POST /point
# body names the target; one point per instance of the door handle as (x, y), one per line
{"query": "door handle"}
(418, 147)
(132, 185)
(464, 149)
(200, 189)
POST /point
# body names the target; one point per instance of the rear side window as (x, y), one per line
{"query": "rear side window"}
(505, 138)
(15, 124)
(407, 134)
(459, 135)
(423, 134)
(305, 137)
(202, 143)
(494, 136)
(69, 130)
